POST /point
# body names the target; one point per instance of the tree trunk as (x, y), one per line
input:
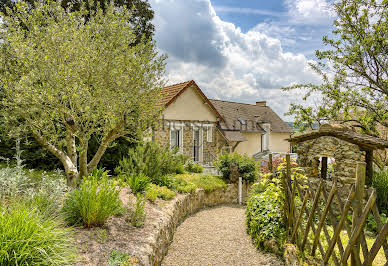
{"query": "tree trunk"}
(83, 160)
(71, 148)
(70, 168)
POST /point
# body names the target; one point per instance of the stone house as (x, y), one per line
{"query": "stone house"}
(344, 146)
(202, 128)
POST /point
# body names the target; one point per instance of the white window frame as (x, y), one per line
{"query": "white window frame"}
(174, 127)
(209, 133)
(267, 129)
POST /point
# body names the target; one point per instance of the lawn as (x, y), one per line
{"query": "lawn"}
(380, 257)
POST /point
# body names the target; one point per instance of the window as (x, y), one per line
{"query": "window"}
(175, 138)
(242, 121)
(209, 136)
(267, 129)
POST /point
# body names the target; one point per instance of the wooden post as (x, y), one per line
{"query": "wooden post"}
(291, 196)
(357, 209)
(240, 190)
(324, 168)
(369, 167)
(288, 164)
(270, 163)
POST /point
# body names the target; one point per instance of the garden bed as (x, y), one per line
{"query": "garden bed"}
(149, 244)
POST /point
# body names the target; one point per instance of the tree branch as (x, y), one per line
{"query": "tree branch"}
(66, 161)
(112, 135)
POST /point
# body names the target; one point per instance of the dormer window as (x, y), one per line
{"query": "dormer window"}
(242, 121)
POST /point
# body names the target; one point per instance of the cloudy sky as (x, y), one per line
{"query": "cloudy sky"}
(242, 50)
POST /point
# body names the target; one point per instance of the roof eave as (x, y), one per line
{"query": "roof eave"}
(192, 82)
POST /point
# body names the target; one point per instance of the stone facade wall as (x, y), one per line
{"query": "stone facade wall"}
(221, 141)
(162, 136)
(346, 156)
(156, 245)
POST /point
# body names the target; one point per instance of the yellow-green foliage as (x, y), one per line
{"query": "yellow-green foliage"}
(151, 193)
(87, 72)
(183, 186)
(27, 237)
(193, 167)
(154, 191)
(93, 202)
(189, 182)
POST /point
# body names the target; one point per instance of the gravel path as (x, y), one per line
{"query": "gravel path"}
(216, 236)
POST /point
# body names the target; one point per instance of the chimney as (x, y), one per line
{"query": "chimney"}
(262, 103)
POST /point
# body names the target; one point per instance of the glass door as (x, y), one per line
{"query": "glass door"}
(197, 145)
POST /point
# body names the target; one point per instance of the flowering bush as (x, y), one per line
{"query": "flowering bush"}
(276, 163)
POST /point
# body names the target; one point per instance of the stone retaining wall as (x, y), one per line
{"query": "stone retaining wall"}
(156, 245)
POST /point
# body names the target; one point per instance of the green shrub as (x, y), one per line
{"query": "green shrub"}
(264, 211)
(118, 258)
(151, 193)
(380, 183)
(154, 191)
(183, 186)
(165, 180)
(193, 167)
(165, 193)
(151, 160)
(93, 202)
(28, 238)
(247, 166)
(187, 183)
(17, 181)
(138, 183)
(99, 173)
(180, 169)
(371, 224)
(47, 205)
(138, 216)
(13, 181)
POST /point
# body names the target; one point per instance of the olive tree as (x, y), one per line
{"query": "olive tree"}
(66, 80)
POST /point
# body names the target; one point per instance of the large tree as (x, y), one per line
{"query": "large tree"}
(66, 80)
(141, 12)
(354, 70)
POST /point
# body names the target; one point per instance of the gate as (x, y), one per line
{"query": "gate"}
(316, 215)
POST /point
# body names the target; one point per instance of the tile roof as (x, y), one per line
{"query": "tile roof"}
(233, 135)
(250, 114)
(171, 91)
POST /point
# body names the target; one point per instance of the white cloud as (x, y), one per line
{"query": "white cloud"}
(242, 10)
(225, 62)
(310, 11)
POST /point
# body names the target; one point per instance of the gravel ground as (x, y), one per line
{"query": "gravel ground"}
(216, 236)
